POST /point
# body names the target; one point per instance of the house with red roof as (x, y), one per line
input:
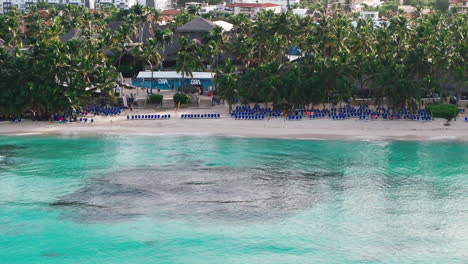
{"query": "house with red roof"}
(170, 12)
(167, 16)
(251, 9)
(24, 21)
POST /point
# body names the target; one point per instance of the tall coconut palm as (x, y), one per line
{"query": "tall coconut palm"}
(150, 52)
(226, 83)
(214, 44)
(194, 10)
(12, 37)
(187, 58)
(164, 37)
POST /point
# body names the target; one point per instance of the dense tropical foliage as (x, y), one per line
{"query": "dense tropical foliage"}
(155, 99)
(447, 111)
(337, 58)
(395, 63)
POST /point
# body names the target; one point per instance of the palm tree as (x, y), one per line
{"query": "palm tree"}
(214, 43)
(242, 44)
(400, 61)
(137, 17)
(185, 64)
(189, 58)
(181, 19)
(123, 37)
(150, 51)
(165, 38)
(12, 37)
(193, 10)
(226, 81)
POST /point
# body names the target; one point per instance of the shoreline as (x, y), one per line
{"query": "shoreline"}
(320, 129)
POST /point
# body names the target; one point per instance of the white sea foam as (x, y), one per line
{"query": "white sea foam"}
(26, 134)
(443, 138)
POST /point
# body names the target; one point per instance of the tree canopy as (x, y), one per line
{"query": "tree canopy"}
(281, 58)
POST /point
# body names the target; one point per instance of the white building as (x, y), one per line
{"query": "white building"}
(372, 3)
(158, 4)
(25, 5)
(162, 4)
(127, 4)
(461, 5)
(224, 25)
(374, 16)
(369, 14)
(302, 12)
(121, 4)
(282, 3)
(205, 8)
(251, 9)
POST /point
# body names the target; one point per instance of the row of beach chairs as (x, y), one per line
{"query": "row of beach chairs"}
(77, 120)
(148, 117)
(294, 117)
(103, 110)
(85, 120)
(244, 112)
(271, 114)
(249, 116)
(200, 116)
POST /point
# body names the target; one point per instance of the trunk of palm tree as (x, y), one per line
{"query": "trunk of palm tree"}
(151, 82)
(120, 59)
(163, 56)
(183, 79)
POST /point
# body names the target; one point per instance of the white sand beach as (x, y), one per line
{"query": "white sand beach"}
(350, 129)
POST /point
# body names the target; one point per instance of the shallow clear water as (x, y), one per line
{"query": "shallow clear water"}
(231, 200)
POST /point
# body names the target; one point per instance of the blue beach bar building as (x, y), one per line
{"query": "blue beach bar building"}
(171, 80)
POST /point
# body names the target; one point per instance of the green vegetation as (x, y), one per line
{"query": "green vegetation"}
(340, 57)
(227, 83)
(387, 8)
(155, 98)
(396, 64)
(181, 98)
(447, 111)
(48, 75)
(40, 72)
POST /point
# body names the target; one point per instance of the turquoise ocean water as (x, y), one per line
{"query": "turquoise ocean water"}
(109, 200)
